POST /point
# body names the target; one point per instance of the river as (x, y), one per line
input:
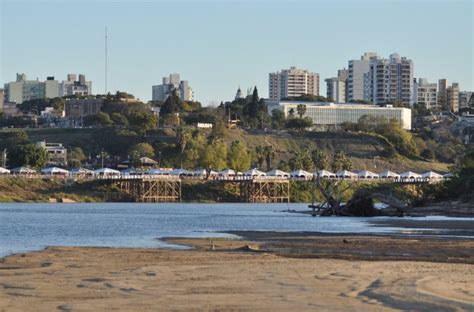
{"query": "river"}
(29, 227)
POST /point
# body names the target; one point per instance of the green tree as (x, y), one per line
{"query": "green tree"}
(119, 119)
(75, 157)
(29, 155)
(57, 103)
(320, 160)
(299, 124)
(214, 156)
(302, 160)
(141, 150)
(278, 119)
(103, 119)
(144, 121)
(238, 157)
(269, 155)
(301, 109)
(340, 161)
(171, 104)
(260, 155)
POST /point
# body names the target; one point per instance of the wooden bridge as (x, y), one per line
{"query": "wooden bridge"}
(149, 189)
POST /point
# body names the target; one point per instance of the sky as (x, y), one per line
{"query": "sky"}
(220, 45)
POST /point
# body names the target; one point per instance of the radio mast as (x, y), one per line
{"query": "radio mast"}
(106, 60)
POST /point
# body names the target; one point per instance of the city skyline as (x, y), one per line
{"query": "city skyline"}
(212, 59)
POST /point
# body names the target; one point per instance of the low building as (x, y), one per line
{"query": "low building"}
(57, 153)
(330, 114)
(465, 97)
(78, 108)
(2, 94)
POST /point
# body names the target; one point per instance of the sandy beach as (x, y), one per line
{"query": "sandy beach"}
(228, 275)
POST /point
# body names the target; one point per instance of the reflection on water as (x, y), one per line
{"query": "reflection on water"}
(26, 227)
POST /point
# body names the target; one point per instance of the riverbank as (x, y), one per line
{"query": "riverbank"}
(225, 274)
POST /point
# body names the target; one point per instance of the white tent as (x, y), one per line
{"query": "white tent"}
(325, 174)
(155, 171)
(346, 174)
(131, 171)
(301, 174)
(147, 161)
(4, 171)
(365, 174)
(389, 175)
(410, 175)
(23, 170)
(448, 175)
(431, 175)
(278, 173)
(213, 173)
(83, 171)
(226, 173)
(107, 172)
(54, 171)
(254, 173)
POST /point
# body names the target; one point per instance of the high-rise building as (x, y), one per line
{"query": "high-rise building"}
(452, 97)
(390, 80)
(442, 95)
(74, 86)
(464, 98)
(336, 87)
(169, 84)
(426, 93)
(292, 82)
(357, 71)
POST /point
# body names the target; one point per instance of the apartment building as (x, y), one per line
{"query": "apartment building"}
(356, 73)
(464, 99)
(292, 82)
(390, 81)
(452, 97)
(336, 87)
(426, 93)
(170, 84)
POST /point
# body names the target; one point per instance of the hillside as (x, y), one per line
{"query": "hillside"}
(364, 150)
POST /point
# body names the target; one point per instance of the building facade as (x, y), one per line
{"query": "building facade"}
(57, 153)
(292, 82)
(330, 114)
(170, 84)
(356, 73)
(24, 90)
(452, 97)
(464, 99)
(426, 93)
(390, 81)
(78, 108)
(2, 95)
(336, 87)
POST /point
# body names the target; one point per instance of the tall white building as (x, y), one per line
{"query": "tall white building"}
(170, 83)
(357, 70)
(426, 93)
(336, 87)
(292, 82)
(390, 80)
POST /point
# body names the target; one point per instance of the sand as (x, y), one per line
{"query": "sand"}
(106, 279)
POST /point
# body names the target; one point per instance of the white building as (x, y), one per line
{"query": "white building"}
(57, 153)
(389, 81)
(355, 81)
(330, 114)
(292, 82)
(173, 82)
(426, 93)
(336, 87)
(24, 90)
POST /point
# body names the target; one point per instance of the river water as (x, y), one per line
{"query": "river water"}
(27, 227)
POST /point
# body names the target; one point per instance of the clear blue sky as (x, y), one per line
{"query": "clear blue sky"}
(219, 45)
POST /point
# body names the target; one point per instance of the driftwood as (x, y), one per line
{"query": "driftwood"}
(360, 205)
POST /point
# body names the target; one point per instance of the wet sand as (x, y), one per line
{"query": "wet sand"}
(277, 274)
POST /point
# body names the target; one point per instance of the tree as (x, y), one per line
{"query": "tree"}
(340, 161)
(57, 103)
(103, 119)
(214, 156)
(75, 157)
(141, 150)
(291, 112)
(143, 121)
(278, 119)
(320, 160)
(29, 155)
(119, 119)
(301, 109)
(302, 160)
(260, 155)
(171, 104)
(238, 157)
(269, 155)
(299, 123)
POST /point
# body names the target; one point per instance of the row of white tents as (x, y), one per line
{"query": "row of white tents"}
(226, 173)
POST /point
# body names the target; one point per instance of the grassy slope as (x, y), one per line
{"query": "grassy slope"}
(361, 148)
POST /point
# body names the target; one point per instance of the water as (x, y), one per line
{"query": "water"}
(27, 227)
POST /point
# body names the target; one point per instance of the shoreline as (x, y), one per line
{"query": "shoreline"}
(266, 273)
